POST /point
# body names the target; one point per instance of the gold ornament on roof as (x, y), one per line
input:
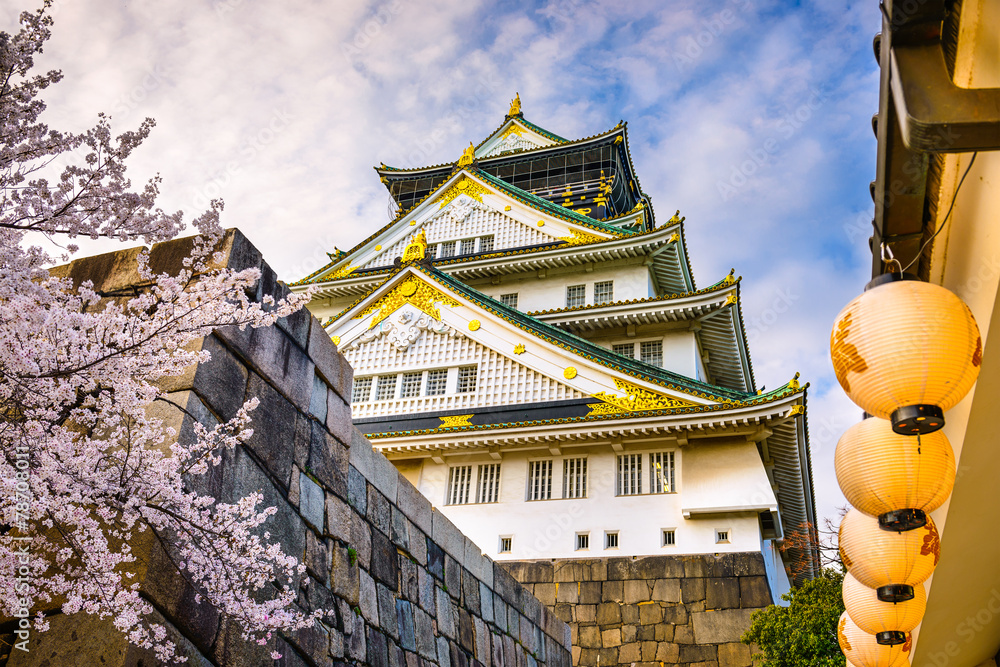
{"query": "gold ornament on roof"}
(636, 399)
(465, 186)
(515, 105)
(580, 238)
(412, 291)
(519, 348)
(569, 373)
(342, 272)
(417, 248)
(455, 420)
(675, 218)
(474, 325)
(468, 156)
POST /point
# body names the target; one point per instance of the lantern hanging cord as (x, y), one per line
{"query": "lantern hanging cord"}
(947, 215)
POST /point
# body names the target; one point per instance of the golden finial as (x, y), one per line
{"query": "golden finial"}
(676, 218)
(794, 384)
(468, 156)
(515, 106)
(417, 248)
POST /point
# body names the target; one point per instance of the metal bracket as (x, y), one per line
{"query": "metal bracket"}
(935, 115)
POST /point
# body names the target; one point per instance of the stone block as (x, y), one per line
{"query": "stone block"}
(338, 419)
(423, 626)
(697, 653)
(319, 558)
(590, 636)
(675, 614)
(361, 454)
(345, 575)
(530, 572)
(721, 565)
(683, 634)
(297, 325)
(409, 587)
(368, 597)
(312, 501)
(630, 614)
(453, 577)
(378, 649)
(667, 652)
(754, 592)
(398, 532)
(414, 505)
(609, 613)
(385, 560)
(619, 569)
(692, 590)
(357, 490)
(630, 653)
(329, 362)
(470, 592)
(546, 593)
(650, 614)
(221, 382)
(567, 593)
(313, 642)
(328, 460)
(613, 591)
(658, 567)
(338, 518)
(445, 614)
(496, 654)
(317, 400)
(499, 613)
(722, 593)
(273, 427)
(628, 634)
(482, 638)
(667, 590)
(724, 626)
(570, 571)
(448, 537)
(435, 559)
(734, 655)
(507, 587)
(387, 610)
(425, 590)
(378, 513)
(590, 592)
(749, 564)
(695, 566)
(636, 591)
(585, 613)
(357, 644)
(485, 602)
(417, 543)
(361, 540)
(273, 354)
(406, 625)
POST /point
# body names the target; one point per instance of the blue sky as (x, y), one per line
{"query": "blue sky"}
(751, 117)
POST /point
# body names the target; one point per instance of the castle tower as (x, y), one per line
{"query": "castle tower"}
(531, 351)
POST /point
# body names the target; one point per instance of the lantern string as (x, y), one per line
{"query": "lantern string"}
(888, 258)
(947, 215)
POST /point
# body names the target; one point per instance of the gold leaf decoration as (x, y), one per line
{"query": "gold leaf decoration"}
(519, 348)
(455, 420)
(569, 373)
(513, 129)
(465, 186)
(636, 399)
(412, 291)
(579, 238)
(474, 325)
(335, 339)
(342, 272)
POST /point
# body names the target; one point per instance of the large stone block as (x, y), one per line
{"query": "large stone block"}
(636, 591)
(667, 590)
(754, 592)
(724, 626)
(273, 428)
(328, 460)
(338, 518)
(312, 501)
(379, 512)
(222, 381)
(448, 537)
(722, 593)
(658, 567)
(329, 362)
(385, 560)
(414, 505)
(317, 401)
(338, 419)
(734, 655)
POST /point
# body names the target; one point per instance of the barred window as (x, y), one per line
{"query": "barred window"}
(582, 541)
(411, 385)
(486, 244)
(468, 247)
(446, 249)
(625, 349)
(575, 478)
(661, 472)
(509, 300)
(466, 379)
(576, 295)
(722, 537)
(437, 381)
(651, 352)
(459, 482)
(362, 390)
(540, 480)
(604, 292)
(629, 474)
(505, 544)
(489, 483)
(386, 388)
(611, 539)
(669, 538)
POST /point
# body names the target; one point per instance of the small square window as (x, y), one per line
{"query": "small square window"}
(386, 388)
(576, 296)
(466, 379)
(446, 249)
(582, 541)
(668, 538)
(509, 300)
(437, 381)
(468, 247)
(624, 349)
(611, 539)
(411, 385)
(506, 542)
(362, 390)
(486, 244)
(722, 537)
(651, 352)
(604, 292)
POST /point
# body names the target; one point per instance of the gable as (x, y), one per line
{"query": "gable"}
(512, 136)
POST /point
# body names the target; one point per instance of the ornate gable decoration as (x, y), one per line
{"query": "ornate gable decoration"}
(464, 186)
(636, 399)
(403, 331)
(416, 292)
(459, 209)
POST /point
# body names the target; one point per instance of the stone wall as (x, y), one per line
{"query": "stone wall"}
(653, 611)
(408, 589)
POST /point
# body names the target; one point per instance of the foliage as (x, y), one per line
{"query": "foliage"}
(85, 468)
(804, 632)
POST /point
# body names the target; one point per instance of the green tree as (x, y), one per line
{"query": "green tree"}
(804, 632)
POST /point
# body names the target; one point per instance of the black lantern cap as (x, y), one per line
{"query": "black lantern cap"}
(900, 521)
(917, 419)
(890, 637)
(895, 593)
(889, 278)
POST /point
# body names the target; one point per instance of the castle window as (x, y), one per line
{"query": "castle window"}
(411, 385)
(386, 388)
(437, 382)
(629, 474)
(486, 244)
(668, 538)
(661, 472)
(582, 541)
(446, 249)
(625, 349)
(576, 296)
(459, 482)
(468, 247)
(488, 490)
(509, 300)
(540, 480)
(722, 537)
(466, 379)
(604, 292)
(362, 390)
(505, 544)
(611, 539)
(651, 352)
(575, 478)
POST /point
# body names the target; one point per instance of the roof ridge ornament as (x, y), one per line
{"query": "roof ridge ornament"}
(417, 248)
(515, 107)
(468, 156)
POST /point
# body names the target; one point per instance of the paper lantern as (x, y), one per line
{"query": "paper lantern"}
(894, 477)
(861, 649)
(893, 563)
(888, 621)
(906, 351)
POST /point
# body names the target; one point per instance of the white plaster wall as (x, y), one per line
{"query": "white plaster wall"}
(534, 293)
(547, 528)
(680, 350)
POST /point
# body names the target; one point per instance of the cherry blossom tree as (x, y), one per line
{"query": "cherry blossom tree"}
(86, 470)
